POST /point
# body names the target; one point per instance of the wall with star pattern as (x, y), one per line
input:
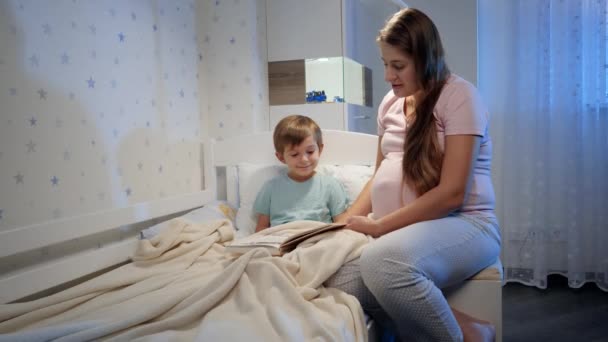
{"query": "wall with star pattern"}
(104, 103)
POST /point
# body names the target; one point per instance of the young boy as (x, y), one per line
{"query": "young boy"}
(299, 193)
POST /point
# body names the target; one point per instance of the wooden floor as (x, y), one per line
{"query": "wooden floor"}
(558, 313)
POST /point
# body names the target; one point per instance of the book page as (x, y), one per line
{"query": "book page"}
(283, 237)
(307, 234)
(253, 240)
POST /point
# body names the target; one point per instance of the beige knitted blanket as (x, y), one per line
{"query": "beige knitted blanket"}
(182, 285)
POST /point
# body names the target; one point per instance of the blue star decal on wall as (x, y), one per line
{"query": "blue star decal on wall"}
(91, 82)
(31, 146)
(33, 121)
(42, 94)
(18, 178)
(54, 180)
(121, 37)
(34, 60)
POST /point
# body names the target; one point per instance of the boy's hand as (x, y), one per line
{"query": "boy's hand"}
(364, 225)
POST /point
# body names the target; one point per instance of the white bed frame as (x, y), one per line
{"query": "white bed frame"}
(480, 298)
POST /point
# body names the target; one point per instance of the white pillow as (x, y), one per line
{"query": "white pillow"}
(352, 177)
(251, 178)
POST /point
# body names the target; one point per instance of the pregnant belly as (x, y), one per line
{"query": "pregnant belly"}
(388, 193)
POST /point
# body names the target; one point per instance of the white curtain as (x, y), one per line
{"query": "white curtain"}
(543, 74)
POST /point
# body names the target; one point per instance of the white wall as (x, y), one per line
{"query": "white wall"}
(100, 106)
(234, 71)
(457, 25)
(303, 29)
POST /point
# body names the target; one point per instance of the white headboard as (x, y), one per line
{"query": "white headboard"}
(341, 148)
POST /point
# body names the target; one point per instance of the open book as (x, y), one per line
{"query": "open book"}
(282, 238)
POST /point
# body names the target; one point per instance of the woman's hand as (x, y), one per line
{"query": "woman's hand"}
(365, 225)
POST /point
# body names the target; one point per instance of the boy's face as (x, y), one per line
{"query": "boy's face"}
(302, 159)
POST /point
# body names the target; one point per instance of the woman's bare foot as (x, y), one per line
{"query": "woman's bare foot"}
(474, 329)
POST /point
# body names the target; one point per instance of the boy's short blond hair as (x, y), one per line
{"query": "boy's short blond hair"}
(293, 129)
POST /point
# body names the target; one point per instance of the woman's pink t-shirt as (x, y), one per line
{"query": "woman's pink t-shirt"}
(459, 110)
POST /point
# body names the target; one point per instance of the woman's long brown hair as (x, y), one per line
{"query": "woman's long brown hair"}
(412, 32)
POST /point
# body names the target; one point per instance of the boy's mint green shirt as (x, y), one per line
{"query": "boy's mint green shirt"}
(284, 200)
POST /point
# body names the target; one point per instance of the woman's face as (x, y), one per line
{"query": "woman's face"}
(399, 70)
